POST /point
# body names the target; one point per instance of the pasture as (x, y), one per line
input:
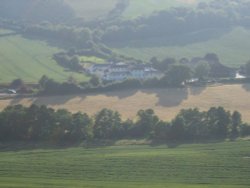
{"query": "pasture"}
(138, 8)
(91, 59)
(91, 9)
(165, 102)
(212, 165)
(230, 45)
(29, 60)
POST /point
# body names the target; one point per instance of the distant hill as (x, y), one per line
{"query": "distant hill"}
(138, 8)
(91, 9)
(35, 10)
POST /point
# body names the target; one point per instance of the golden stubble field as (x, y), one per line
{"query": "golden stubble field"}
(165, 102)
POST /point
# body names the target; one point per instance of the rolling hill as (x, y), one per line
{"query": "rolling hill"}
(29, 60)
(231, 46)
(91, 9)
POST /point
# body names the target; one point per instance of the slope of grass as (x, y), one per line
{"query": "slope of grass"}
(91, 59)
(91, 9)
(138, 8)
(29, 60)
(231, 47)
(224, 165)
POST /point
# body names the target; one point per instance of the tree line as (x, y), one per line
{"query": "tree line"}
(44, 124)
(219, 14)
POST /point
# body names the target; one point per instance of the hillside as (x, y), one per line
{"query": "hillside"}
(139, 8)
(166, 102)
(231, 46)
(91, 9)
(29, 60)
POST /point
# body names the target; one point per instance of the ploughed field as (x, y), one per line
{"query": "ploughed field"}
(213, 165)
(165, 102)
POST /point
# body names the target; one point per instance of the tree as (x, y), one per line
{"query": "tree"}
(178, 74)
(74, 63)
(218, 121)
(145, 123)
(14, 123)
(42, 122)
(236, 123)
(94, 81)
(202, 70)
(107, 124)
(247, 69)
(212, 58)
(195, 127)
(177, 129)
(80, 127)
(17, 83)
(163, 65)
(161, 131)
(43, 81)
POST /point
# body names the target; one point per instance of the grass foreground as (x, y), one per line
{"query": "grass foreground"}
(212, 165)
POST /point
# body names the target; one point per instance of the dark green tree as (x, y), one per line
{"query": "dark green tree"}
(178, 75)
(145, 123)
(219, 122)
(16, 84)
(236, 123)
(95, 81)
(202, 70)
(247, 69)
(80, 128)
(195, 125)
(178, 129)
(107, 124)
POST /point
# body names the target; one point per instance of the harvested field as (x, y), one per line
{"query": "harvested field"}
(166, 102)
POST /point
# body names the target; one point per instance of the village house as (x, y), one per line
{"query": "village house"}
(122, 71)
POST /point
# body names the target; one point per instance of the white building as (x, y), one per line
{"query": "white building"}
(123, 71)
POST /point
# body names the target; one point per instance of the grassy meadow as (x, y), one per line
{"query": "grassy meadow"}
(230, 45)
(215, 165)
(138, 8)
(165, 102)
(29, 60)
(91, 9)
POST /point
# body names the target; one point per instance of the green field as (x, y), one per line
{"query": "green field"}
(91, 9)
(146, 7)
(232, 46)
(29, 60)
(214, 165)
(91, 59)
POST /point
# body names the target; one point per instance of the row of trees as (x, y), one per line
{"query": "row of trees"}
(202, 68)
(222, 15)
(43, 124)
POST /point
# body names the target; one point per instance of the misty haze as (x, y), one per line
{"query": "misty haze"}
(125, 93)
